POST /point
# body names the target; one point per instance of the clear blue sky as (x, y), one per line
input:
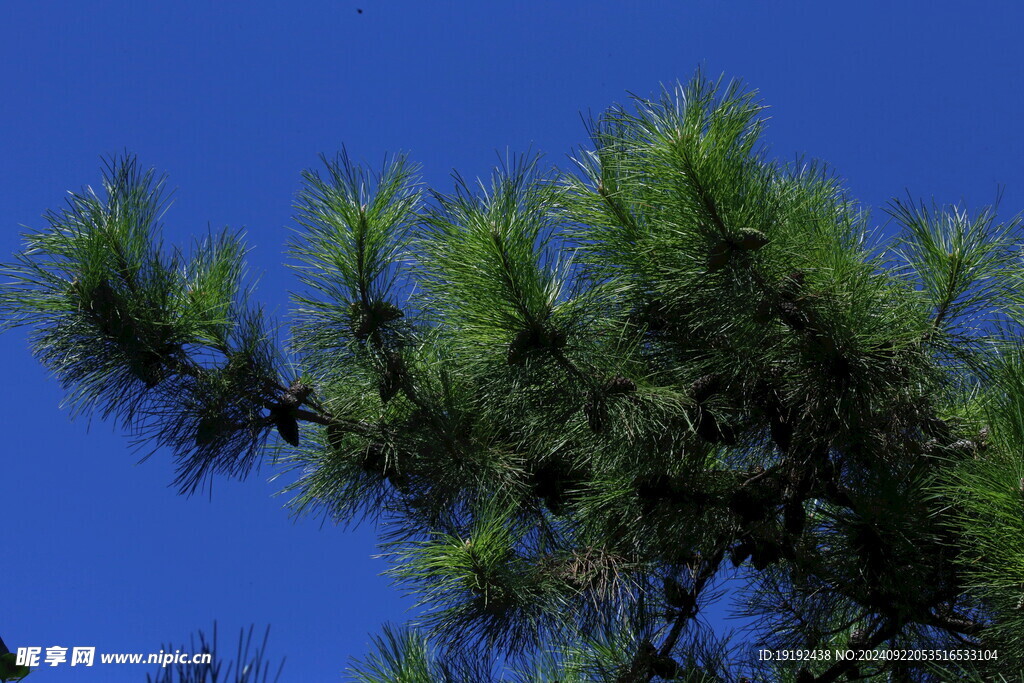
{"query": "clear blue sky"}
(234, 99)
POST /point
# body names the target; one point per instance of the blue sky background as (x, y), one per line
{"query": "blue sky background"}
(234, 99)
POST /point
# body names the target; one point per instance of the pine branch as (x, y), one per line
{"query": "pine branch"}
(708, 570)
(957, 623)
(832, 673)
(569, 392)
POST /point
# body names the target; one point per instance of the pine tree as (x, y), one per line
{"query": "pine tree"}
(583, 400)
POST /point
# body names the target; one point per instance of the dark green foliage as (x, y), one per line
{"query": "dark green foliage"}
(10, 670)
(164, 342)
(580, 402)
(529, 342)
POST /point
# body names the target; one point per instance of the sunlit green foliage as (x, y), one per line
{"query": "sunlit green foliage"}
(575, 404)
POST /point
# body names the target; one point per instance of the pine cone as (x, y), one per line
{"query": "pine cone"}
(296, 394)
(386, 312)
(964, 446)
(619, 385)
(525, 341)
(365, 320)
(705, 387)
(208, 430)
(752, 240)
(148, 367)
(982, 438)
(287, 425)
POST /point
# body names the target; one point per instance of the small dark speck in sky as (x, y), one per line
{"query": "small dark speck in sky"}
(359, 11)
